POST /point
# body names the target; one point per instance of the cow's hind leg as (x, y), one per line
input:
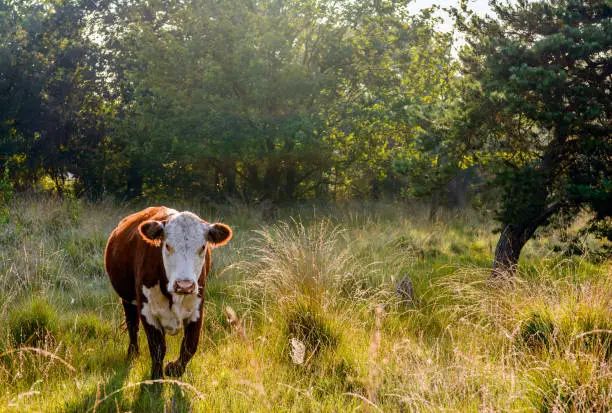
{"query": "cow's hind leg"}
(133, 321)
(188, 349)
(157, 348)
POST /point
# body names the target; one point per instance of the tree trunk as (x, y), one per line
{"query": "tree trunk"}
(512, 240)
(271, 181)
(290, 183)
(230, 179)
(435, 204)
(134, 182)
(252, 184)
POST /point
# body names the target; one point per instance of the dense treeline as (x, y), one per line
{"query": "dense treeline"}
(278, 100)
(289, 100)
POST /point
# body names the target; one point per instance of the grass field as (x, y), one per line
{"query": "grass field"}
(302, 314)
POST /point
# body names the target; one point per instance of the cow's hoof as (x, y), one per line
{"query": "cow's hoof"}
(174, 369)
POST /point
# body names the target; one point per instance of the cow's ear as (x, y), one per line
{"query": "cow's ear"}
(152, 231)
(218, 234)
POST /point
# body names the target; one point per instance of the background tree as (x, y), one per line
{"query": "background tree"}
(269, 100)
(544, 74)
(224, 96)
(52, 97)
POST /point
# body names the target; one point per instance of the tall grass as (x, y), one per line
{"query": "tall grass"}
(302, 315)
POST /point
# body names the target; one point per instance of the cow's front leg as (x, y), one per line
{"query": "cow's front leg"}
(157, 348)
(188, 348)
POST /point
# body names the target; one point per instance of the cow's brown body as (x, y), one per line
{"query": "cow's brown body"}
(132, 263)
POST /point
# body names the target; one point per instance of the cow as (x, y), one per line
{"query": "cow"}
(157, 261)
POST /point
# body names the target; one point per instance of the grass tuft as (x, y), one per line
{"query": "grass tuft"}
(537, 330)
(33, 322)
(310, 325)
(577, 385)
(292, 260)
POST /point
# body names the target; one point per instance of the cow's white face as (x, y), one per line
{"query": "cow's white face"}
(183, 251)
(183, 239)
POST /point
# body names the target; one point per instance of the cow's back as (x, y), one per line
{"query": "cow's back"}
(127, 255)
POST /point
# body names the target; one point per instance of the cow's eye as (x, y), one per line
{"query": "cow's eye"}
(168, 247)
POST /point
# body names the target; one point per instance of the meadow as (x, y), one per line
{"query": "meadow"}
(303, 314)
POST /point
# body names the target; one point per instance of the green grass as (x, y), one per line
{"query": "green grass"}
(320, 281)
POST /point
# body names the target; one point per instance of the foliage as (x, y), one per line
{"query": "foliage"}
(275, 101)
(53, 95)
(543, 96)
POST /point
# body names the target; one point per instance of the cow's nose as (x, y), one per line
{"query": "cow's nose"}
(184, 287)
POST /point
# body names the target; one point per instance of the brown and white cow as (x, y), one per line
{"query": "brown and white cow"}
(157, 261)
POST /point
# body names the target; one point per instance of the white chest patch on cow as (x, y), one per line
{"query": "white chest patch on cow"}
(158, 312)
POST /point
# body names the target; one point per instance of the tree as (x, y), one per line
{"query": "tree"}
(262, 100)
(221, 98)
(51, 95)
(393, 94)
(268, 100)
(545, 86)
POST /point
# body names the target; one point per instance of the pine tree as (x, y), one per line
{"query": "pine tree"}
(545, 74)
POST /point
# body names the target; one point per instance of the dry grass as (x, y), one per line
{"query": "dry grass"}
(302, 315)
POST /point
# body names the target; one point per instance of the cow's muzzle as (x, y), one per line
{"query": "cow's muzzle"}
(184, 287)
